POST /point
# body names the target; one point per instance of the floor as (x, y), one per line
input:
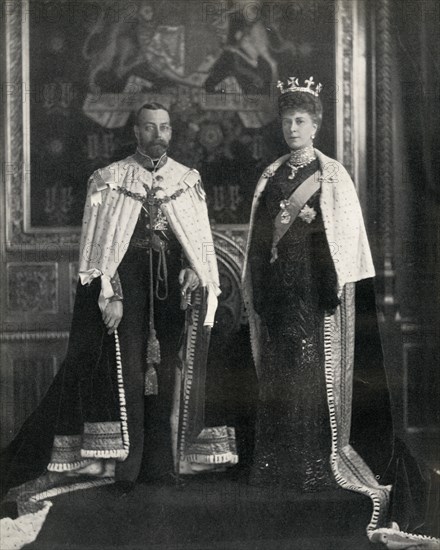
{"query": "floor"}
(210, 513)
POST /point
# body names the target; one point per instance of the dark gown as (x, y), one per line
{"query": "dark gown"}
(292, 294)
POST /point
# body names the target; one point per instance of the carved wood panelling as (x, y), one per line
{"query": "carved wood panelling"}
(229, 247)
(28, 368)
(32, 287)
(73, 281)
(32, 378)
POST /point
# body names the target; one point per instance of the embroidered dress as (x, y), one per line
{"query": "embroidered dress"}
(293, 441)
(324, 413)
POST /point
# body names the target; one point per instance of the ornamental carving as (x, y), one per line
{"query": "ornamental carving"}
(230, 254)
(32, 287)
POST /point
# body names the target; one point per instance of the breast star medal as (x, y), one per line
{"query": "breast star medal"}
(285, 215)
(307, 214)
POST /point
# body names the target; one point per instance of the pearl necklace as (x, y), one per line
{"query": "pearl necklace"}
(300, 158)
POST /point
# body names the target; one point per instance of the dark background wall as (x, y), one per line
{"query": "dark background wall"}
(404, 188)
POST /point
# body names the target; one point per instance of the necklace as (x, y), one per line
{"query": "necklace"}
(300, 158)
(150, 197)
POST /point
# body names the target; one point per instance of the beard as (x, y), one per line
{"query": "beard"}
(155, 149)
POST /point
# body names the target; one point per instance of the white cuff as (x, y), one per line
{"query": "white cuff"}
(106, 293)
(213, 292)
(87, 277)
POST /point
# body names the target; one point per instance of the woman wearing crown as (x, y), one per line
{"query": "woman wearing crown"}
(323, 417)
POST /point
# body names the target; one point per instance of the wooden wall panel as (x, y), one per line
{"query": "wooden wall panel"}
(28, 368)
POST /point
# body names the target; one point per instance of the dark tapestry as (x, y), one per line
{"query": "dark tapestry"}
(215, 65)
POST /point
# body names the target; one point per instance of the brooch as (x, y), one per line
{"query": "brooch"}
(285, 215)
(269, 172)
(307, 214)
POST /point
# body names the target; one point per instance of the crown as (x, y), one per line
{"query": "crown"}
(293, 86)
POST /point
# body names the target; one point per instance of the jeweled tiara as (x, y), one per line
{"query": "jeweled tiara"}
(293, 86)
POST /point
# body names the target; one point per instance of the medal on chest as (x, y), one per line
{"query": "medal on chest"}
(160, 222)
(285, 215)
(158, 219)
(154, 197)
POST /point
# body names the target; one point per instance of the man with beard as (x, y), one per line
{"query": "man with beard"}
(127, 402)
(153, 259)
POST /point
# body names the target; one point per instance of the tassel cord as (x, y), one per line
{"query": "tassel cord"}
(150, 257)
(162, 275)
(162, 268)
(153, 346)
(151, 312)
